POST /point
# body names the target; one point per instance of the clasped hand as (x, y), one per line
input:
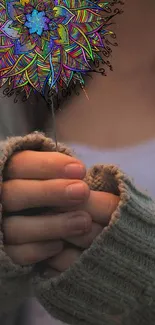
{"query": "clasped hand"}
(61, 208)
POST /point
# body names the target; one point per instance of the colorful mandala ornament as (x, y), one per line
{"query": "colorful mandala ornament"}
(51, 43)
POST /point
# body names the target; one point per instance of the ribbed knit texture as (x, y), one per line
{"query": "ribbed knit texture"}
(113, 282)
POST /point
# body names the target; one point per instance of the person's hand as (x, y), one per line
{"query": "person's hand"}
(100, 206)
(37, 180)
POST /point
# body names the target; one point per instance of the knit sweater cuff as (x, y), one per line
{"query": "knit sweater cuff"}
(14, 279)
(115, 278)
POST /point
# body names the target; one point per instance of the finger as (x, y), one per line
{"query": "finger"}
(43, 165)
(100, 206)
(65, 259)
(34, 252)
(21, 229)
(84, 241)
(25, 194)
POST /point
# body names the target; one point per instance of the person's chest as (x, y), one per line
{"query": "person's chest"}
(121, 106)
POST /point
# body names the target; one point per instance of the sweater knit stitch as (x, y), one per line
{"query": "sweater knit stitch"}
(113, 282)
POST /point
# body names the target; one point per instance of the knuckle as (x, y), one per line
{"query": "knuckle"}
(10, 193)
(64, 158)
(7, 231)
(45, 165)
(46, 189)
(16, 254)
(17, 159)
(57, 246)
(30, 256)
(7, 188)
(64, 227)
(11, 232)
(53, 191)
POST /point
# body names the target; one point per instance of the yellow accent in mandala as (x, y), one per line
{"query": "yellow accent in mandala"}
(58, 11)
(63, 34)
(22, 70)
(23, 84)
(96, 49)
(18, 18)
(29, 80)
(4, 50)
(24, 2)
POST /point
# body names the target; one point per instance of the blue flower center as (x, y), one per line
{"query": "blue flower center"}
(37, 22)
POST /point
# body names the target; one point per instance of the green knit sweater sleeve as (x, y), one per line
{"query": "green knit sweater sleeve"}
(113, 283)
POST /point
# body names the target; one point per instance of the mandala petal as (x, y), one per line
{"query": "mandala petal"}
(38, 80)
(47, 3)
(21, 19)
(28, 90)
(63, 12)
(2, 14)
(66, 75)
(2, 81)
(22, 64)
(8, 31)
(20, 80)
(7, 60)
(46, 50)
(64, 3)
(32, 76)
(102, 4)
(23, 48)
(56, 65)
(78, 76)
(78, 4)
(75, 58)
(76, 52)
(87, 16)
(96, 40)
(44, 72)
(90, 28)
(63, 35)
(77, 35)
(5, 42)
(14, 9)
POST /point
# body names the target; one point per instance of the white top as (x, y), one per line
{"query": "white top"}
(138, 162)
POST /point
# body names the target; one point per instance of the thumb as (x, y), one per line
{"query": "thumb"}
(101, 205)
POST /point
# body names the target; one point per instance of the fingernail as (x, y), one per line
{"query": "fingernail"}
(75, 171)
(79, 225)
(76, 191)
